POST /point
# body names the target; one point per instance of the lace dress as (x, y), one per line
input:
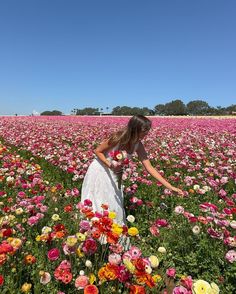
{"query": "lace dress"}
(100, 185)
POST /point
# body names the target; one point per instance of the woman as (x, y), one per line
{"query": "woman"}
(101, 182)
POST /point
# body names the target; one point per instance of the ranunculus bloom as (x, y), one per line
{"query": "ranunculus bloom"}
(45, 278)
(171, 272)
(81, 282)
(1, 280)
(89, 246)
(231, 256)
(181, 290)
(201, 287)
(114, 258)
(53, 254)
(136, 289)
(91, 289)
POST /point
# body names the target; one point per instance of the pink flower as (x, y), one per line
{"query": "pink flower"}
(84, 225)
(114, 258)
(89, 246)
(154, 230)
(45, 278)
(171, 272)
(181, 290)
(88, 202)
(231, 256)
(53, 254)
(187, 282)
(135, 252)
(161, 223)
(81, 282)
(179, 209)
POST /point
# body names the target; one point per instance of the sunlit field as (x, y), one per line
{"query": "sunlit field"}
(50, 242)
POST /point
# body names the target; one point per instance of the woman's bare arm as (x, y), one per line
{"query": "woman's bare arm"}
(99, 151)
(142, 155)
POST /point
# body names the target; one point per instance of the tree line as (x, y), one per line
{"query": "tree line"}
(175, 107)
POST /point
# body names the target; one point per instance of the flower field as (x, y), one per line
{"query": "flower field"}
(50, 242)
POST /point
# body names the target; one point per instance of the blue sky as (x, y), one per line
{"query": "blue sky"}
(65, 54)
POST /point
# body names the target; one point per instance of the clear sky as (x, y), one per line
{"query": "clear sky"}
(65, 54)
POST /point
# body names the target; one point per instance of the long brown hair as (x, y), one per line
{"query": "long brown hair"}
(129, 135)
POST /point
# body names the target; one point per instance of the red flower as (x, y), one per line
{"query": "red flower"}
(7, 232)
(1, 280)
(59, 227)
(53, 254)
(135, 289)
(91, 289)
(89, 246)
(68, 208)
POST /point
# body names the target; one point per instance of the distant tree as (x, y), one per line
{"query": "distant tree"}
(54, 112)
(87, 111)
(159, 109)
(231, 109)
(198, 107)
(126, 110)
(175, 107)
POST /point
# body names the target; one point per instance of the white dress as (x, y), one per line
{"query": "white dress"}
(100, 185)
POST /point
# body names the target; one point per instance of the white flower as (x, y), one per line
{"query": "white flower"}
(215, 288)
(179, 209)
(130, 218)
(233, 224)
(196, 187)
(196, 230)
(19, 211)
(46, 230)
(148, 269)
(88, 263)
(81, 273)
(161, 250)
(55, 217)
(10, 179)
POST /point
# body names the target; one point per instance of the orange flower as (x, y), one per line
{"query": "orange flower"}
(135, 289)
(112, 238)
(96, 234)
(60, 234)
(91, 289)
(108, 273)
(144, 278)
(104, 206)
(29, 259)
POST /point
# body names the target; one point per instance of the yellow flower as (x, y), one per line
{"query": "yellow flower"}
(154, 261)
(26, 287)
(19, 211)
(201, 287)
(116, 229)
(81, 237)
(53, 189)
(92, 278)
(133, 231)
(14, 242)
(112, 214)
(79, 252)
(71, 241)
(215, 288)
(156, 278)
(129, 265)
(46, 230)
(55, 217)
